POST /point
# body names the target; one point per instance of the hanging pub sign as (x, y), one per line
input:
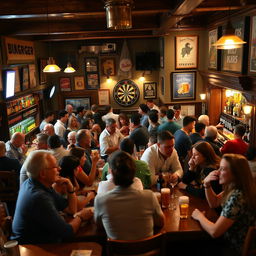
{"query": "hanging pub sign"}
(18, 51)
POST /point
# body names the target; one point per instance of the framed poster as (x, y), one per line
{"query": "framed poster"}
(24, 78)
(162, 86)
(183, 86)
(186, 52)
(17, 79)
(79, 83)
(232, 60)
(65, 84)
(212, 50)
(91, 64)
(42, 75)
(108, 66)
(104, 97)
(77, 102)
(150, 90)
(161, 47)
(32, 75)
(92, 81)
(252, 58)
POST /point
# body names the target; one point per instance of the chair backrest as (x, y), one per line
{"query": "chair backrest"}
(8, 186)
(249, 247)
(150, 246)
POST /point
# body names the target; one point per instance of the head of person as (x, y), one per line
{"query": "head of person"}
(49, 129)
(79, 153)
(111, 125)
(143, 109)
(177, 110)
(127, 145)
(18, 139)
(170, 114)
(200, 128)
(189, 123)
(86, 124)
(88, 114)
(96, 128)
(203, 155)
(108, 109)
(41, 141)
(54, 142)
(94, 108)
(153, 116)
(63, 116)
(71, 138)
(73, 123)
(239, 130)
(69, 109)
(123, 119)
(204, 119)
(152, 139)
(150, 103)
(47, 172)
(83, 138)
(211, 132)
(49, 116)
(2, 149)
(163, 110)
(80, 111)
(165, 143)
(68, 165)
(135, 120)
(122, 167)
(235, 173)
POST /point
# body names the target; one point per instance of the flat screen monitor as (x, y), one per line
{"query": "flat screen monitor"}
(9, 84)
(147, 61)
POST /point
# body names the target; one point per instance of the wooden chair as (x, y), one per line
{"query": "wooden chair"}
(249, 247)
(8, 186)
(150, 246)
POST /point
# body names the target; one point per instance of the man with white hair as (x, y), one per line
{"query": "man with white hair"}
(69, 108)
(211, 134)
(16, 148)
(37, 219)
(204, 119)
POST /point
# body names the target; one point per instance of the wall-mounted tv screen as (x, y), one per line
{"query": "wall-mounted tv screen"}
(77, 102)
(9, 83)
(147, 61)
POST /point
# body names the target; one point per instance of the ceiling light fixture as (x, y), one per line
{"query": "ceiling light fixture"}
(69, 68)
(119, 14)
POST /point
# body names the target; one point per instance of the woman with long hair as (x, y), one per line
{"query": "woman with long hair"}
(73, 124)
(202, 162)
(237, 201)
(123, 124)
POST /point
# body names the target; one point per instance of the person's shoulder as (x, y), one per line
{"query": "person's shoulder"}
(141, 163)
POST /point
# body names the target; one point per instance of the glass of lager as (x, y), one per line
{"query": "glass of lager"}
(165, 197)
(184, 206)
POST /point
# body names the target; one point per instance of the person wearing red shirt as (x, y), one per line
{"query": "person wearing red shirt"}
(238, 145)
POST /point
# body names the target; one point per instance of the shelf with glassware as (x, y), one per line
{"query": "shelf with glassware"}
(23, 114)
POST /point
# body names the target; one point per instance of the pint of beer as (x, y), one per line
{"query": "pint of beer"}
(165, 197)
(184, 206)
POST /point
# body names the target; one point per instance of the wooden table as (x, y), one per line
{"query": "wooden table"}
(63, 249)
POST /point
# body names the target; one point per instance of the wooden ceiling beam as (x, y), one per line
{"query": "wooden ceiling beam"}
(215, 9)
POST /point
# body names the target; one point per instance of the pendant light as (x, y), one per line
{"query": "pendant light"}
(69, 68)
(51, 67)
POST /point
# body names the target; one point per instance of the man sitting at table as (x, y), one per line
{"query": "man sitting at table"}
(37, 218)
(127, 213)
(162, 156)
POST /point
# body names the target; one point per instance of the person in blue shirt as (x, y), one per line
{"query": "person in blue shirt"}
(143, 111)
(37, 219)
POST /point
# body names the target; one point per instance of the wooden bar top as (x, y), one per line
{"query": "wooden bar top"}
(63, 249)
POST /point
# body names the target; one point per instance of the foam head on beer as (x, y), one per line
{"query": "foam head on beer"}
(184, 206)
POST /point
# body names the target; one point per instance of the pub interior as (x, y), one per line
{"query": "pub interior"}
(128, 126)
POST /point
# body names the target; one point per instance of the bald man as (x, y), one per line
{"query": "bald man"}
(6, 163)
(16, 148)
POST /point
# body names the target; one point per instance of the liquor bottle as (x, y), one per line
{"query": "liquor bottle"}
(159, 182)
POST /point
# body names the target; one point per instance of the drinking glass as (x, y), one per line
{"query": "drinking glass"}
(165, 197)
(166, 178)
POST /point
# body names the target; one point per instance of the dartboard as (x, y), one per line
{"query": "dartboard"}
(126, 92)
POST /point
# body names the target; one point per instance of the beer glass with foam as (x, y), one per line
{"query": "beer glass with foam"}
(184, 206)
(165, 197)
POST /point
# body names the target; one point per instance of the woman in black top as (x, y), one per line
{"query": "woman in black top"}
(202, 162)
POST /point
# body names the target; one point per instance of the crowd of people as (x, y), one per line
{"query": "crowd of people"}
(131, 152)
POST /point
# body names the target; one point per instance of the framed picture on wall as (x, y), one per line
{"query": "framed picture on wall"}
(161, 47)
(65, 84)
(92, 81)
(79, 83)
(108, 66)
(150, 90)
(91, 64)
(24, 78)
(212, 50)
(104, 97)
(42, 75)
(162, 86)
(77, 102)
(252, 58)
(17, 79)
(183, 86)
(186, 52)
(32, 75)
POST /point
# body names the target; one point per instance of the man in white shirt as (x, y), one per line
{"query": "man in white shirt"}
(110, 138)
(59, 127)
(162, 156)
(110, 114)
(151, 105)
